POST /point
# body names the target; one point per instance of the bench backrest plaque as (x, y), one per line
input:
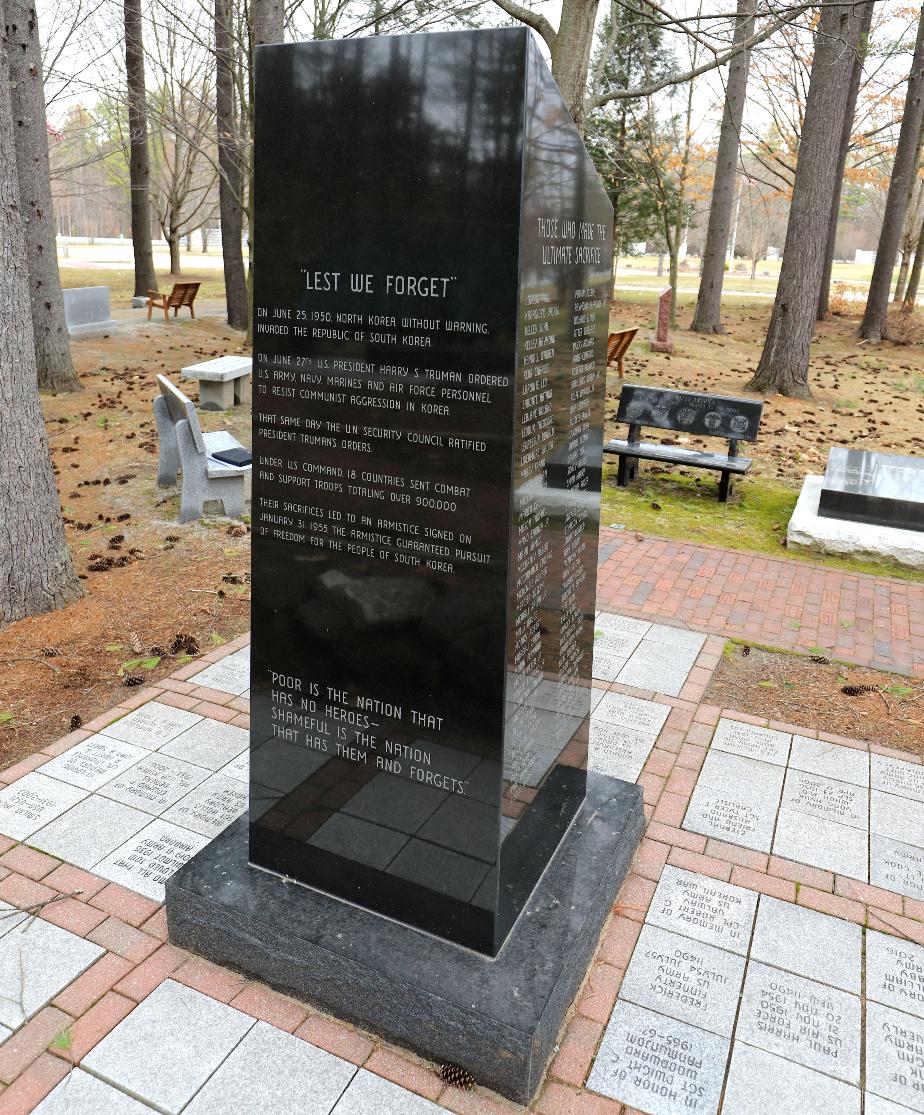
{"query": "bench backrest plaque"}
(431, 303)
(713, 415)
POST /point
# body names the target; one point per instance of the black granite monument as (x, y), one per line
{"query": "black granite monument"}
(431, 306)
(879, 488)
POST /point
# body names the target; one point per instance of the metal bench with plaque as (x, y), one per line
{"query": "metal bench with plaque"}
(722, 416)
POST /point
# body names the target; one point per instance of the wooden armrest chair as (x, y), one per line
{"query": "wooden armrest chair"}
(183, 294)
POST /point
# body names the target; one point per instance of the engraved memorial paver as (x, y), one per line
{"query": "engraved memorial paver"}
(617, 751)
(685, 979)
(211, 806)
(895, 776)
(876, 1105)
(823, 797)
(32, 801)
(827, 844)
(145, 862)
(94, 761)
(152, 725)
(847, 764)
(896, 866)
(209, 744)
(751, 741)
(89, 831)
(895, 972)
(801, 1020)
(632, 712)
(238, 768)
(736, 800)
(228, 675)
(705, 909)
(658, 1064)
(155, 783)
(760, 1083)
(897, 818)
(895, 1055)
(808, 943)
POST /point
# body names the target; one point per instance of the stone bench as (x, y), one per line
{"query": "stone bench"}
(185, 449)
(223, 382)
(721, 416)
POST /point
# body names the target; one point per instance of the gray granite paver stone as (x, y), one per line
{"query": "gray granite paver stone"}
(895, 972)
(896, 866)
(32, 801)
(211, 806)
(37, 960)
(705, 909)
(169, 1045)
(368, 1094)
(94, 761)
(808, 943)
(90, 831)
(760, 1083)
(620, 644)
(272, 1071)
(820, 843)
(611, 623)
(145, 862)
(227, 675)
(826, 798)
(657, 673)
(564, 697)
(79, 1093)
(658, 1064)
(209, 744)
(897, 818)
(895, 776)
(752, 742)
(736, 800)
(154, 784)
(801, 1020)
(680, 637)
(152, 725)
(238, 768)
(617, 751)
(846, 764)
(684, 979)
(876, 1105)
(632, 712)
(607, 666)
(894, 1049)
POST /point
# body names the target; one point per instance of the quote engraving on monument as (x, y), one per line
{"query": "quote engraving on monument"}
(431, 305)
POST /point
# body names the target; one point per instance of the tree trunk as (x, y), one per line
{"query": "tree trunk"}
(52, 347)
(268, 22)
(708, 316)
(173, 243)
(660, 264)
(875, 323)
(784, 362)
(36, 572)
(139, 163)
(856, 73)
(230, 180)
(754, 262)
(570, 52)
(204, 233)
(914, 277)
(902, 278)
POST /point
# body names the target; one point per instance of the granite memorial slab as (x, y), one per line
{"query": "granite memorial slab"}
(802, 1020)
(659, 1065)
(86, 310)
(895, 776)
(32, 801)
(634, 713)
(89, 831)
(760, 1083)
(898, 818)
(430, 326)
(152, 725)
(808, 943)
(93, 762)
(895, 972)
(617, 751)
(847, 764)
(751, 741)
(736, 799)
(893, 1056)
(826, 798)
(155, 783)
(150, 857)
(805, 838)
(896, 866)
(705, 909)
(863, 486)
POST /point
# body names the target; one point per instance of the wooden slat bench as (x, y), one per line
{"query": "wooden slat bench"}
(617, 345)
(183, 294)
(721, 416)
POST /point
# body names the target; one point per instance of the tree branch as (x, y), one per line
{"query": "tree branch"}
(531, 19)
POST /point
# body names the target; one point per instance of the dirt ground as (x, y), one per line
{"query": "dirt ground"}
(865, 396)
(168, 579)
(149, 580)
(793, 689)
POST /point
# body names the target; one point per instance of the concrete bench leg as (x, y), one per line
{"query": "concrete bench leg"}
(232, 496)
(168, 464)
(242, 390)
(215, 395)
(725, 487)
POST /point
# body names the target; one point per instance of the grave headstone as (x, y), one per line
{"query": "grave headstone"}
(86, 310)
(661, 341)
(884, 489)
(432, 288)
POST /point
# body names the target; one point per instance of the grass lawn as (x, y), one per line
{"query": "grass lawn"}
(121, 282)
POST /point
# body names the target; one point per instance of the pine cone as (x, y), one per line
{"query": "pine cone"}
(76, 722)
(821, 659)
(852, 690)
(133, 679)
(745, 651)
(457, 1077)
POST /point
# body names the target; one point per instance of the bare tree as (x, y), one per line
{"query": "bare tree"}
(875, 323)
(36, 572)
(708, 315)
(139, 157)
(850, 110)
(54, 365)
(783, 364)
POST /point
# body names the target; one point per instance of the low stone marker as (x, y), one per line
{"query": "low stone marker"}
(86, 310)
(661, 342)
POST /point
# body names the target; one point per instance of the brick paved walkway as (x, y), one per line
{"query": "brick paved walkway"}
(871, 621)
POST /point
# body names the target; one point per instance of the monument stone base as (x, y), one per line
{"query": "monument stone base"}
(498, 1018)
(809, 530)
